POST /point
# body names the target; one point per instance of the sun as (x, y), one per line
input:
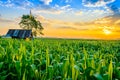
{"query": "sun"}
(106, 31)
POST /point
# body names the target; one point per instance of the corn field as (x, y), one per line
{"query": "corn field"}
(59, 59)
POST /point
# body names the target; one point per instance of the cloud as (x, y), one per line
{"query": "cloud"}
(46, 2)
(40, 5)
(59, 24)
(72, 28)
(67, 27)
(52, 10)
(7, 3)
(103, 21)
(5, 20)
(107, 27)
(117, 22)
(92, 14)
(68, 1)
(65, 7)
(117, 31)
(115, 9)
(79, 12)
(112, 21)
(47, 11)
(17, 4)
(96, 3)
(6, 24)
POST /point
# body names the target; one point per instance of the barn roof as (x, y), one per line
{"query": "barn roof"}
(19, 33)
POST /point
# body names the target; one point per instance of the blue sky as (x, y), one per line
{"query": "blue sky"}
(68, 14)
(18, 7)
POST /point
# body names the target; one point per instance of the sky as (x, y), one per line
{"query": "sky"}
(86, 19)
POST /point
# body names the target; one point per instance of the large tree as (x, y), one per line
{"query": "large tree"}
(30, 22)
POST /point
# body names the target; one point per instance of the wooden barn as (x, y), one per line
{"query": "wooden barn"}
(19, 33)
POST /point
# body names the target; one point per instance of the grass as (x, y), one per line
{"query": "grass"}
(59, 59)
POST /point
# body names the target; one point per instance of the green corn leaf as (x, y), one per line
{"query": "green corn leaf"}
(98, 77)
(33, 67)
(1, 64)
(23, 78)
(110, 70)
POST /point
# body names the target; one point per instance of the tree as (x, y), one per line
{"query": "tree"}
(29, 22)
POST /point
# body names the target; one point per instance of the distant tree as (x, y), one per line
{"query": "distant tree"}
(29, 22)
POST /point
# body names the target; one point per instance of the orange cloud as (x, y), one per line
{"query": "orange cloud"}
(57, 28)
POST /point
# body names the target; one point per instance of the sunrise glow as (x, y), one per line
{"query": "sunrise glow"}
(88, 19)
(106, 31)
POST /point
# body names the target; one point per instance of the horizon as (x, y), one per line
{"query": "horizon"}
(80, 19)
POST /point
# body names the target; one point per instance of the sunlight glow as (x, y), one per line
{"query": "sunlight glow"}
(106, 31)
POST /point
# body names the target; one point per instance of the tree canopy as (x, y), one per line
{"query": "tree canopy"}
(30, 22)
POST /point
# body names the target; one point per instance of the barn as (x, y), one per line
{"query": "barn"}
(19, 33)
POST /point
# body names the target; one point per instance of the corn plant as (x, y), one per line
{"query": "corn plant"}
(59, 59)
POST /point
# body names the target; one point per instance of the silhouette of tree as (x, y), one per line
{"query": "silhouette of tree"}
(29, 22)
